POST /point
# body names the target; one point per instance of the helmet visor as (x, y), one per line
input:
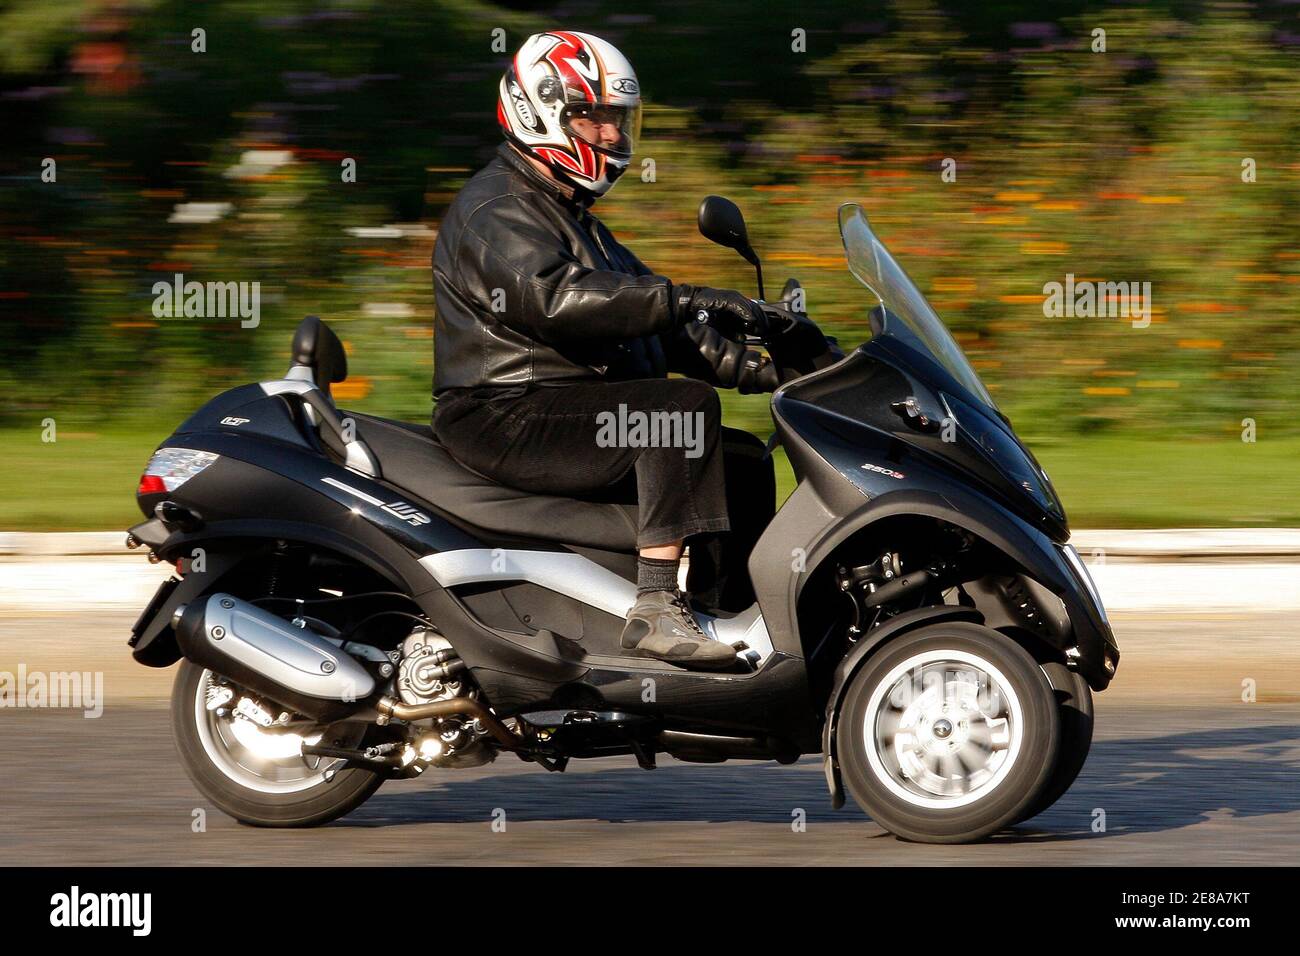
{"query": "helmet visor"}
(610, 128)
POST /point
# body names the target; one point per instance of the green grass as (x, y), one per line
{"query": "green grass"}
(85, 481)
(1135, 483)
(1122, 482)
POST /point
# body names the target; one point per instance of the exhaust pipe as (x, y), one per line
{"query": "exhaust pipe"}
(456, 706)
(293, 666)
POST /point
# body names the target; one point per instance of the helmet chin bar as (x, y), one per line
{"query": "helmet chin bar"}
(614, 168)
(614, 171)
(611, 177)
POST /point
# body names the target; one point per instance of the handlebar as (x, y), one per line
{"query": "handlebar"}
(794, 341)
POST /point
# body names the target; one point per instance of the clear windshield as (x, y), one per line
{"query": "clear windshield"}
(901, 301)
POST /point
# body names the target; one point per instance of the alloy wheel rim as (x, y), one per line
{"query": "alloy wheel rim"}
(943, 729)
(268, 761)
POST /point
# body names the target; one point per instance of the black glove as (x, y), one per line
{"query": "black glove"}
(730, 312)
(795, 341)
(734, 366)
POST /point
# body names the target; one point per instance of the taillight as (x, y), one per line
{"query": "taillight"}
(169, 468)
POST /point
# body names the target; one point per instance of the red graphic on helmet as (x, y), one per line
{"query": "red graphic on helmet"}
(576, 65)
(588, 163)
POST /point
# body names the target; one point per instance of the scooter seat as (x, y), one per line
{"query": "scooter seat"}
(411, 457)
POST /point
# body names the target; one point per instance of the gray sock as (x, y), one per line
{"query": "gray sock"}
(656, 574)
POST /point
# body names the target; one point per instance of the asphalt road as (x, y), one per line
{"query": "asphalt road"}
(1185, 771)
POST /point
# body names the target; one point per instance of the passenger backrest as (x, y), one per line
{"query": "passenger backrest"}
(316, 347)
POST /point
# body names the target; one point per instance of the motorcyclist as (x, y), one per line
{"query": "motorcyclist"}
(546, 326)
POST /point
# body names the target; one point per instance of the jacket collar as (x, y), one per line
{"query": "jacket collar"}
(576, 201)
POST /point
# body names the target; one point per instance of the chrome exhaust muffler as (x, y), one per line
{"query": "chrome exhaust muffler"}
(293, 666)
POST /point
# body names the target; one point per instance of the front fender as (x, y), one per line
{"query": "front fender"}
(848, 666)
(1090, 643)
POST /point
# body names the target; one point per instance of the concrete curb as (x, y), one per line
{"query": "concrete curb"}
(1186, 572)
(1172, 544)
(61, 544)
(1167, 544)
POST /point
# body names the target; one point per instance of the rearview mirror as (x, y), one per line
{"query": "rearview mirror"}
(722, 222)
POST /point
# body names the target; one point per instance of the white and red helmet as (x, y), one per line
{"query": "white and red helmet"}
(571, 101)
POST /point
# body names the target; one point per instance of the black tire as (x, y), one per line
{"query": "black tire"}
(318, 804)
(1015, 786)
(1074, 706)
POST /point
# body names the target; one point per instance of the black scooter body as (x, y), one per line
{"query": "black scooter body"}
(269, 466)
(981, 527)
(269, 485)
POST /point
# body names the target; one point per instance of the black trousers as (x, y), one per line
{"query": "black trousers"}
(718, 577)
(658, 442)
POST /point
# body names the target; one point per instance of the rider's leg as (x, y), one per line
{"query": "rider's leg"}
(681, 491)
(657, 566)
(577, 439)
(719, 576)
(663, 552)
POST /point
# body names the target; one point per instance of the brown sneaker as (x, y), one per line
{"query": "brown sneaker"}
(660, 625)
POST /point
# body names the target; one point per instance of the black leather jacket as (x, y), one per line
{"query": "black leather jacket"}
(531, 289)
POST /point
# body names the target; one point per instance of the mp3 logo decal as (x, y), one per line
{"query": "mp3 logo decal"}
(399, 509)
(407, 513)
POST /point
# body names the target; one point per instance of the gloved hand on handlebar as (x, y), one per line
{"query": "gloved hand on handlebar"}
(732, 314)
(795, 341)
(733, 365)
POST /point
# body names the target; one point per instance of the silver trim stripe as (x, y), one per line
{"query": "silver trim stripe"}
(581, 579)
(353, 491)
(568, 574)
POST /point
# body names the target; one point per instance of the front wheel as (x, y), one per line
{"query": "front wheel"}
(258, 774)
(1074, 706)
(948, 734)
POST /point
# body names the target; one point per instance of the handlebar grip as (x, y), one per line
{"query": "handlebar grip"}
(725, 323)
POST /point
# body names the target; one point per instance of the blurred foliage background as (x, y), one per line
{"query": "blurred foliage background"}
(225, 165)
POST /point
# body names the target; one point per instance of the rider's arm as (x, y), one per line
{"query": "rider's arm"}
(700, 351)
(549, 292)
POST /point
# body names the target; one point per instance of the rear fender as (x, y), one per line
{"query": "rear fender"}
(153, 642)
(224, 546)
(375, 551)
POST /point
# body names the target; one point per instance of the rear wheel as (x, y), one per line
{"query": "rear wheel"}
(259, 775)
(948, 734)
